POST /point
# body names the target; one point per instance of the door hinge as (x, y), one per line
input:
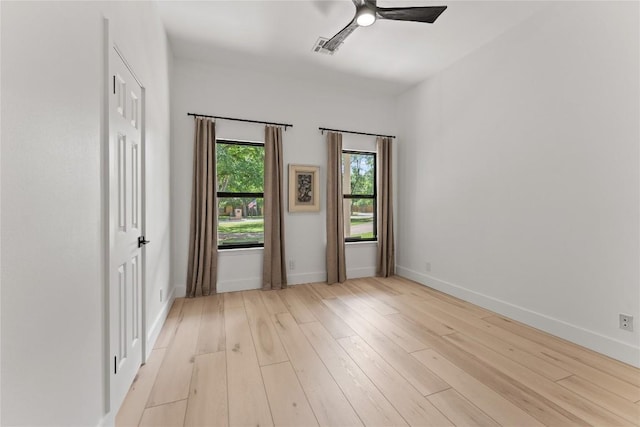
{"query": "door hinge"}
(115, 365)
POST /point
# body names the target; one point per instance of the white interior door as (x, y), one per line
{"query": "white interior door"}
(125, 227)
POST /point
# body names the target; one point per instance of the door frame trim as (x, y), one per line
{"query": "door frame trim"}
(109, 44)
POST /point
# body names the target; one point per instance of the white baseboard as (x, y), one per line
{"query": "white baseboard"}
(156, 327)
(108, 420)
(292, 279)
(301, 278)
(320, 277)
(251, 283)
(240, 284)
(247, 284)
(355, 273)
(576, 334)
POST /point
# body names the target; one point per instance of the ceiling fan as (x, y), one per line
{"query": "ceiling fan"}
(367, 11)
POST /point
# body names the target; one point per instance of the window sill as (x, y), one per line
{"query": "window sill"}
(239, 251)
(366, 242)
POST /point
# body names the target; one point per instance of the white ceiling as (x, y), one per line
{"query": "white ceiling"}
(279, 36)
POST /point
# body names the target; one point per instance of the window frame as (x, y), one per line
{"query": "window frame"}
(231, 194)
(373, 196)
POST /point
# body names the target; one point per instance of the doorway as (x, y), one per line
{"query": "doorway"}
(125, 235)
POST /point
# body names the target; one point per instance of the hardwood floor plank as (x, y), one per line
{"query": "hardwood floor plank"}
(172, 382)
(346, 359)
(604, 398)
(130, 412)
(402, 287)
(474, 327)
(323, 290)
(211, 335)
(542, 348)
(490, 402)
(287, 400)
(452, 307)
(408, 312)
(393, 283)
(419, 326)
(460, 410)
(580, 354)
(233, 300)
(370, 405)
(418, 375)
(334, 324)
(328, 403)
(469, 308)
(207, 403)
(376, 287)
(171, 322)
(167, 415)
(434, 294)
(438, 312)
(396, 334)
(273, 302)
(265, 338)
(296, 307)
(524, 358)
(561, 407)
(338, 290)
(376, 304)
(248, 403)
(413, 406)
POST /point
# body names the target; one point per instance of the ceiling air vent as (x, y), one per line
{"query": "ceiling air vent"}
(318, 46)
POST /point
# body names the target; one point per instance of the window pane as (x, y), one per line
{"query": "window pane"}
(240, 168)
(358, 173)
(358, 219)
(240, 221)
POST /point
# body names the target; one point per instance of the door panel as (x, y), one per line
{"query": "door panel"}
(125, 221)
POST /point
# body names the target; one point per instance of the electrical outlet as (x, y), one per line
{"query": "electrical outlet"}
(626, 322)
(427, 266)
(160, 295)
(292, 264)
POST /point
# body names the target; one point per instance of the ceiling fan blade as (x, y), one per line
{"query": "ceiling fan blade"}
(426, 14)
(334, 42)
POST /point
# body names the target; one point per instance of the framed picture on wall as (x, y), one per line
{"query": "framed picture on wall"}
(304, 188)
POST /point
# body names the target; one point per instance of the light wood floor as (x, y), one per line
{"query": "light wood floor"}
(369, 352)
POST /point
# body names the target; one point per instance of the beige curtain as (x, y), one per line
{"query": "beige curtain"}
(386, 251)
(274, 272)
(203, 240)
(336, 264)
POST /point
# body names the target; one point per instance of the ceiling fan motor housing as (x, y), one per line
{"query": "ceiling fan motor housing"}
(366, 15)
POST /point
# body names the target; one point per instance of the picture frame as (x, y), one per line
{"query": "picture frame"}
(304, 188)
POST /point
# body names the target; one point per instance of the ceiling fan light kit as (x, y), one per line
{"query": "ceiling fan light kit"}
(365, 16)
(367, 12)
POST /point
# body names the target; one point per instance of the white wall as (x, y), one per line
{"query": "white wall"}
(519, 175)
(305, 103)
(53, 352)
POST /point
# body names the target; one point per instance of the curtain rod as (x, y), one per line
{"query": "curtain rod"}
(286, 125)
(356, 133)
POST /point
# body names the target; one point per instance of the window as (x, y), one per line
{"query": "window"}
(359, 187)
(240, 180)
